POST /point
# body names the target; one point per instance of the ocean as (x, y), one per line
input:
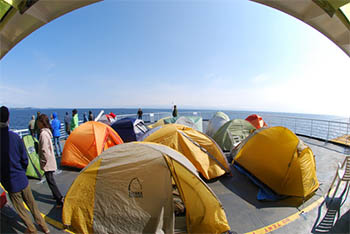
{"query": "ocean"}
(19, 117)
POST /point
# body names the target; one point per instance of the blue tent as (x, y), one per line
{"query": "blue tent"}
(130, 129)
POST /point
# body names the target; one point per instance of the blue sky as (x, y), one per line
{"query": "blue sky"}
(233, 55)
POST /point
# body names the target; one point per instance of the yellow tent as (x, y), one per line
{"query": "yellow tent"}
(128, 189)
(279, 159)
(158, 123)
(202, 151)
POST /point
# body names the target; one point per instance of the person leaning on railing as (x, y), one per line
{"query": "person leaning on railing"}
(139, 113)
(174, 111)
(56, 126)
(75, 120)
(36, 129)
(67, 120)
(91, 116)
(31, 125)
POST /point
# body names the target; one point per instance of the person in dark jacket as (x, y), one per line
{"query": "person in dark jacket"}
(13, 165)
(175, 111)
(67, 120)
(139, 113)
(91, 116)
(56, 126)
(36, 129)
(85, 117)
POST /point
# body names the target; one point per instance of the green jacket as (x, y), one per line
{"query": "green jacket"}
(74, 122)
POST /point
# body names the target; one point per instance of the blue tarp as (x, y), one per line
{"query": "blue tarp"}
(264, 193)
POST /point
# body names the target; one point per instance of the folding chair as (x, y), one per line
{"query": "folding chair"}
(343, 174)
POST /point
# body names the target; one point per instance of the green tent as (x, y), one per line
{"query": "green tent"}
(195, 122)
(233, 132)
(33, 169)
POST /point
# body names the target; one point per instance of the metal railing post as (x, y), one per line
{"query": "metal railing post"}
(312, 122)
(347, 139)
(328, 131)
(151, 117)
(300, 124)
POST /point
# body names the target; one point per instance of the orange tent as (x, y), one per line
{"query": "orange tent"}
(86, 142)
(256, 120)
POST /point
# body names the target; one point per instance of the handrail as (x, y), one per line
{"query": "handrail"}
(318, 128)
(302, 118)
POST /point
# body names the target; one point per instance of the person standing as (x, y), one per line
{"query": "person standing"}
(85, 118)
(175, 111)
(51, 118)
(31, 125)
(47, 157)
(56, 126)
(13, 165)
(75, 121)
(67, 120)
(139, 113)
(91, 116)
(36, 129)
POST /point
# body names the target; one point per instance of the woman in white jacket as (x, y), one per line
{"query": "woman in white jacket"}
(47, 157)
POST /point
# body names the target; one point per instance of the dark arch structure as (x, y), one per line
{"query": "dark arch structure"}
(20, 18)
(330, 17)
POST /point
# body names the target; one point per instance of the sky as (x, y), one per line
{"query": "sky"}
(202, 54)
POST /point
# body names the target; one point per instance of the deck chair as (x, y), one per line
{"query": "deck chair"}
(342, 174)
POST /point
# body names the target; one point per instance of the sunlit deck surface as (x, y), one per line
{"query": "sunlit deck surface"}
(238, 196)
(342, 140)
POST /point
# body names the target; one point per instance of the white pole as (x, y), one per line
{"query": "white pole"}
(99, 115)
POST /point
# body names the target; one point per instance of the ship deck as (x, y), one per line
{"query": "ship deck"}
(237, 193)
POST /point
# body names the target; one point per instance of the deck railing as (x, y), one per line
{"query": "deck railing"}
(322, 129)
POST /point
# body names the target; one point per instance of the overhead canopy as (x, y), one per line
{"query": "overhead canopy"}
(330, 17)
(19, 18)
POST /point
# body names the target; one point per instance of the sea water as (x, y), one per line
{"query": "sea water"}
(20, 117)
